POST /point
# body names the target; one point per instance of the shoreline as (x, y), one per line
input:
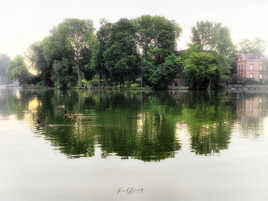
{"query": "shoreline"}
(234, 88)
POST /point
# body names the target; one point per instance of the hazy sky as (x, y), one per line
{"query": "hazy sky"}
(26, 21)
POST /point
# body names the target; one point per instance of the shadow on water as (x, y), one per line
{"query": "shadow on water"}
(135, 125)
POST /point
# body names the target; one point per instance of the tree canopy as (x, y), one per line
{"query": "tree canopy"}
(64, 56)
(120, 57)
(138, 48)
(215, 38)
(140, 51)
(202, 70)
(157, 37)
(158, 32)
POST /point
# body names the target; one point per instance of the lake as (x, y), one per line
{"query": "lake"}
(128, 145)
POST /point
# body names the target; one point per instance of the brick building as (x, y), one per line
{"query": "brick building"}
(250, 66)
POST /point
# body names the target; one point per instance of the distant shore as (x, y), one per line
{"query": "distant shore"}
(233, 88)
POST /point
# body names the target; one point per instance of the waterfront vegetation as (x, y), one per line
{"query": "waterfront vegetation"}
(140, 52)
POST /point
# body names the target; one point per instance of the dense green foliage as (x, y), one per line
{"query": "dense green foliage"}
(139, 48)
(136, 52)
(119, 60)
(120, 53)
(158, 32)
(64, 57)
(157, 42)
(159, 76)
(202, 69)
(212, 58)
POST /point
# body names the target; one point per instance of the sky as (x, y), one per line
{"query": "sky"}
(23, 22)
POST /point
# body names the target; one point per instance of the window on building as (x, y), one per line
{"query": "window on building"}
(260, 67)
(261, 76)
(251, 75)
(251, 66)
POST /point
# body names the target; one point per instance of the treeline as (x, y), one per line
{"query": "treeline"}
(132, 52)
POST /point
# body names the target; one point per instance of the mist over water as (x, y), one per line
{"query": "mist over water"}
(181, 145)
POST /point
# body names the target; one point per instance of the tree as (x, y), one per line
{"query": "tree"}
(72, 51)
(156, 31)
(82, 40)
(4, 62)
(214, 37)
(103, 36)
(256, 46)
(17, 70)
(73, 39)
(160, 76)
(202, 70)
(118, 59)
(35, 55)
(203, 34)
(156, 39)
(69, 46)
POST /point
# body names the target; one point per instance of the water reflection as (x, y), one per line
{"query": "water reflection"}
(250, 113)
(209, 120)
(14, 102)
(134, 124)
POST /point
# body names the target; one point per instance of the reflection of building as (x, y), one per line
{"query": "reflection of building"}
(250, 66)
(250, 107)
(250, 114)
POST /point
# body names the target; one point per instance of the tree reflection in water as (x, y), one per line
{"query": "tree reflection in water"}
(131, 124)
(209, 120)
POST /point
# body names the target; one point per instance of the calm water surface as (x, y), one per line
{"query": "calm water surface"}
(132, 146)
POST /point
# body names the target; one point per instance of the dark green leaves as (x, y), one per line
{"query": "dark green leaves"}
(201, 69)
